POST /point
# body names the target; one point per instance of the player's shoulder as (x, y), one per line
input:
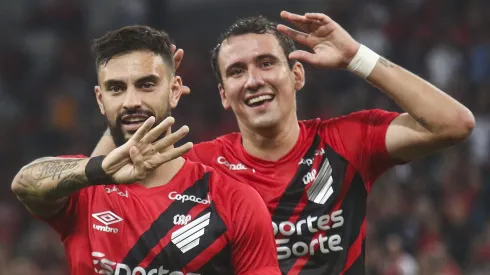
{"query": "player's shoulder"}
(206, 152)
(225, 186)
(219, 142)
(369, 116)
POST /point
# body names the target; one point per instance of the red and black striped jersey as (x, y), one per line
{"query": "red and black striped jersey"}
(201, 222)
(316, 193)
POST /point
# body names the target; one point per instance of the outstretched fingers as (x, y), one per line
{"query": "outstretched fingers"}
(159, 130)
(169, 140)
(143, 130)
(174, 153)
(319, 17)
(297, 36)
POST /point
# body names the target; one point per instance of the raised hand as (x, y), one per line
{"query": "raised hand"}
(178, 56)
(143, 152)
(332, 46)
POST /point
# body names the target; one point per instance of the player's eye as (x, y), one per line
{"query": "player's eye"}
(267, 63)
(114, 89)
(148, 85)
(236, 72)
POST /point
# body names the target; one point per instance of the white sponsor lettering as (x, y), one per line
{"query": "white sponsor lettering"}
(319, 152)
(105, 266)
(231, 166)
(181, 219)
(183, 198)
(117, 191)
(310, 225)
(308, 162)
(105, 228)
(309, 177)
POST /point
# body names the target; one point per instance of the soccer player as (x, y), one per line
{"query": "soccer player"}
(315, 175)
(143, 209)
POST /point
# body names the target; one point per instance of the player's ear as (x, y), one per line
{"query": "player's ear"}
(299, 75)
(175, 91)
(224, 100)
(98, 96)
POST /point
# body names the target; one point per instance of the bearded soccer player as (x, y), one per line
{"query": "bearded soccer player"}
(143, 209)
(315, 175)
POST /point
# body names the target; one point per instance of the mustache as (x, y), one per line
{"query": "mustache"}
(139, 112)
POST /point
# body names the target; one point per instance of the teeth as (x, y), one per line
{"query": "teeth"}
(134, 120)
(259, 98)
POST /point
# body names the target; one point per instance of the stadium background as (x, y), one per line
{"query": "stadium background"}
(429, 217)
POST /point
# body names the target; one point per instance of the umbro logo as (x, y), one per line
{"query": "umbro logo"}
(188, 236)
(107, 218)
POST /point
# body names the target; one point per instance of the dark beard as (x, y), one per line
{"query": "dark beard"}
(117, 132)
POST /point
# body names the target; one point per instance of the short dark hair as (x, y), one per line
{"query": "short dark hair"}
(255, 24)
(129, 39)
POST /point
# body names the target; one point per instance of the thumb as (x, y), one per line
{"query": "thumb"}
(138, 162)
(303, 56)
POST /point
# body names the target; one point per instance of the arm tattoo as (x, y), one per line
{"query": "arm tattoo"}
(69, 184)
(386, 62)
(52, 178)
(51, 169)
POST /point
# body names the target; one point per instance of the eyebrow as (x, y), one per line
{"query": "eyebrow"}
(257, 58)
(149, 78)
(115, 82)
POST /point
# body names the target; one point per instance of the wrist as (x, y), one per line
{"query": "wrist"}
(363, 62)
(95, 173)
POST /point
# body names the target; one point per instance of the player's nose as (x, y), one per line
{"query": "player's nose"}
(132, 100)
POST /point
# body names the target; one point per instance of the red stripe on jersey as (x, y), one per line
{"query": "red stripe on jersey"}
(207, 254)
(355, 249)
(350, 171)
(166, 240)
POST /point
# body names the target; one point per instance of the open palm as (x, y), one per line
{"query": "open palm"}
(144, 151)
(332, 46)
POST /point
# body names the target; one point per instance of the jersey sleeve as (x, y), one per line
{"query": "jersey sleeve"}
(253, 243)
(65, 220)
(361, 138)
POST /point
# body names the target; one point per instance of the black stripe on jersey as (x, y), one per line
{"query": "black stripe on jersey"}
(215, 265)
(358, 267)
(353, 211)
(339, 166)
(293, 193)
(163, 224)
(175, 259)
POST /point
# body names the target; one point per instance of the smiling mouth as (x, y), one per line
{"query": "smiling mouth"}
(258, 100)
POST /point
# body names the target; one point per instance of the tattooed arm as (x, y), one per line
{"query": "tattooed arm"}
(44, 185)
(433, 119)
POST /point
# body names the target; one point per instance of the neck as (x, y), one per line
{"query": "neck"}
(271, 143)
(164, 173)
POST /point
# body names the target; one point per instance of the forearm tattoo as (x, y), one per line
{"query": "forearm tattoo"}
(69, 184)
(386, 62)
(53, 177)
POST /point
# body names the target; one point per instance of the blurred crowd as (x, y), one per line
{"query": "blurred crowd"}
(429, 217)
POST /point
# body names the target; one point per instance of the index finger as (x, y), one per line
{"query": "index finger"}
(141, 132)
(159, 130)
(300, 21)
